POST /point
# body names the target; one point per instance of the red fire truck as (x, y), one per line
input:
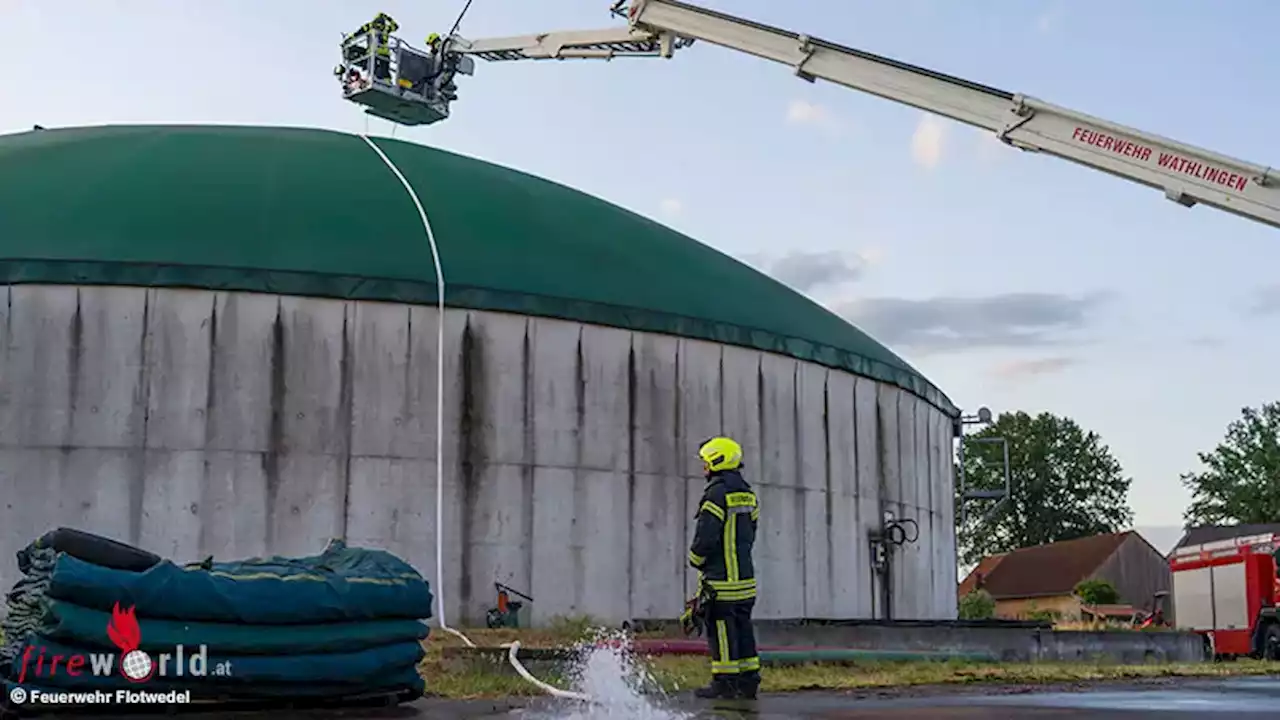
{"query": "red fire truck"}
(1229, 591)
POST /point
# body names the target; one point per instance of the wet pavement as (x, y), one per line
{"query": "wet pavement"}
(1208, 699)
(1237, 698)
(1250, 699)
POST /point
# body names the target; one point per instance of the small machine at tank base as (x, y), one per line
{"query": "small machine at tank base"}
(406, 85)
(509, 613)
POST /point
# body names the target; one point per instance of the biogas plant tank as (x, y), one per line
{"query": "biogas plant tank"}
(223, 341)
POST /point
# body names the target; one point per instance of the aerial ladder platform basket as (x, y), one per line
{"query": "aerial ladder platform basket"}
(403, 86)
(657, 28)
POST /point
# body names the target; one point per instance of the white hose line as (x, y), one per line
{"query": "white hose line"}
(512, 649)
(435, 257)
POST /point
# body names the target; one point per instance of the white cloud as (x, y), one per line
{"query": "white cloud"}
(961, 323)
(803, 112)
(927, 141)
(1049, 18)
(671, 207)
(1020, 369)
(872, 255)
(815, 273)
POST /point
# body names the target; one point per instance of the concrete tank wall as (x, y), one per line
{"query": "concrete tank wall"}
(196, 423)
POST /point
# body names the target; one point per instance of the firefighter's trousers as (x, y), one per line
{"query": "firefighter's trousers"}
(732, 639)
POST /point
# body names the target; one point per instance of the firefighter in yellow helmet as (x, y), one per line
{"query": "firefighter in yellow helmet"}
(446, 68)
(721, 552)
(381, 26)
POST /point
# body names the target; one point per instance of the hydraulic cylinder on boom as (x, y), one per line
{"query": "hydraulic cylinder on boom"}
(658, 28)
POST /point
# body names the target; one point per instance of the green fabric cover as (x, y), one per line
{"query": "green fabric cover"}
(341, 584)
(82, 627)
(317, 213)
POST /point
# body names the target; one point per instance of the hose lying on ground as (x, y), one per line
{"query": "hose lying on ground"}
(512, 649)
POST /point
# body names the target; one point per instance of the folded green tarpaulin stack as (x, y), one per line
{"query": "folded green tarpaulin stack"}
(340, 584)
(63, 622)
(344, 623)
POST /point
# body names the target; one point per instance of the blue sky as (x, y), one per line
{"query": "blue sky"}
(1142, 325)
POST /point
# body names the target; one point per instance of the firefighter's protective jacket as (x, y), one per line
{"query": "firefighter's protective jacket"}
(726, 531)
(382, 25)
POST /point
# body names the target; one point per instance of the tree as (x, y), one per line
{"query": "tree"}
(977, 605)
(1065, 484)
(1241, 480)
(1097, 592)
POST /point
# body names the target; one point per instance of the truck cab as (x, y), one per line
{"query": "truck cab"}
(1228, 591)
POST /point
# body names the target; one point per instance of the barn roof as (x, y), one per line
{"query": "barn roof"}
(1044, 570)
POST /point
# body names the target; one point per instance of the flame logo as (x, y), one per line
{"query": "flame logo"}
(123, 629)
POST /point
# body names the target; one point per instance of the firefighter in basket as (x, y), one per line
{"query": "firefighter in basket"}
(380, 28)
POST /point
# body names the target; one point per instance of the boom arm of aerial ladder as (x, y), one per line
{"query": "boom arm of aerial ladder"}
(1187, 175)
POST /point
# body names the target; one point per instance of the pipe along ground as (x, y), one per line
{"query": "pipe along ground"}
(844, 655)
(782, 655)
(771, 656)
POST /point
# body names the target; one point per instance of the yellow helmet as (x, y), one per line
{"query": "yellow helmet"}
(720, 453)
(433, 38)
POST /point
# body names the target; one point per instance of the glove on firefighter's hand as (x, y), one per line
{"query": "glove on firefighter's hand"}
(689, 619)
